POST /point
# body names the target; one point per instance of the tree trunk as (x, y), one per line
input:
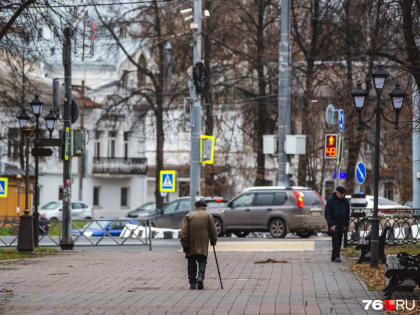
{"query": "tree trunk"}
(160, 135)
(260, 121)
(208, 99)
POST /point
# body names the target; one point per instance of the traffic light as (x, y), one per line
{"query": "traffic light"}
(331, 146)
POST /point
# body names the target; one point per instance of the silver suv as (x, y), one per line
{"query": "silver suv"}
(278, 210)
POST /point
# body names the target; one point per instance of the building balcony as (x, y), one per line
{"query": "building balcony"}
(120, 166)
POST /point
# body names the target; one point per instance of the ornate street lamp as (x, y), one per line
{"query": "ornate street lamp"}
(379, 77)
(50, 120)
(23, 118)
(359, 96)
(37, 106)
(397, 97)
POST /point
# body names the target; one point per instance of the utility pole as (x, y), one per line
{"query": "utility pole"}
(285, 90)
(67, 241)
(416, 147)
(196, 110)
(82, 158)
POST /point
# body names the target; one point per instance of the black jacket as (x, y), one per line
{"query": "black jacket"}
(337, 212)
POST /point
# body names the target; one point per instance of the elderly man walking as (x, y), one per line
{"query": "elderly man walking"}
(198, 228)
(337, 214)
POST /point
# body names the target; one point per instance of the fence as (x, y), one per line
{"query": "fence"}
(93, 232)
(404, 224)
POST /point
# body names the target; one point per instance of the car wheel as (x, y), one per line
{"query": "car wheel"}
(241, 234)
(219, 226)
(304, 234)
(88, 218)
(278, 228)
(53, 219)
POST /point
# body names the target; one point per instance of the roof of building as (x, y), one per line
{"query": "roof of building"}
(11, 170)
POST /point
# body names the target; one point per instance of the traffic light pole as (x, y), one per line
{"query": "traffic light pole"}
(66, 242)
(196, 112)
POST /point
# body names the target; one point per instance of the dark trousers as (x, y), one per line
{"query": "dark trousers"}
(337, 238)
(193, 261)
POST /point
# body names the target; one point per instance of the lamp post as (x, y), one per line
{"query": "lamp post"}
(26, 235)
(397, 97)
(37, 106)
(50, 120)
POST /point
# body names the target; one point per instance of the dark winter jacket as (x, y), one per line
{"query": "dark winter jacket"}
(337, 212)
(197, 230)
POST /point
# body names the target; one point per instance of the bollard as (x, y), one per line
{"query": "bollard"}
(26, 233)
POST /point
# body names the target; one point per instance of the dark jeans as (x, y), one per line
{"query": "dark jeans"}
(337, 238)
(193, 260)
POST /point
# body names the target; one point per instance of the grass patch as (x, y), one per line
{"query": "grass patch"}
(54, 230)
(374, 278)
(13, 253)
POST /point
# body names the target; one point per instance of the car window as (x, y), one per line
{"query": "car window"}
(96, 225)
(118, 225)
(75, 205)
(280, 198)
(149, 206)
(386, 202)
(243, 200)
(184, 205)
(51, 205)
(311, 198)
(264, 199)
(170, 207)
(213, 204)
(84, 206)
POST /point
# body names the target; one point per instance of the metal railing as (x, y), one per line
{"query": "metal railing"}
(93, 232)
(404, 224)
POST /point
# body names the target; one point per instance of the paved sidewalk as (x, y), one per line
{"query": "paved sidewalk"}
(105, 282)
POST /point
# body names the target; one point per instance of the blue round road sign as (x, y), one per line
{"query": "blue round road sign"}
(360, 173)
(341, 120)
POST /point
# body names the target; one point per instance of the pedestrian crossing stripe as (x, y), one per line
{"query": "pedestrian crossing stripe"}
(167, 182)
(3, 187)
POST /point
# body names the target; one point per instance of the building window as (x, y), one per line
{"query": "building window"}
(13, 143)
(111, 144)
(124, 196)
(126, 135)
(388, 191)
(96, 195)
(97, 152)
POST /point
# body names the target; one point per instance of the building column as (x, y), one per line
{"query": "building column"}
(119, 144)
(104, 144)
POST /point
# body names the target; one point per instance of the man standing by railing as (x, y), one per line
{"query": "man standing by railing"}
(337, 214)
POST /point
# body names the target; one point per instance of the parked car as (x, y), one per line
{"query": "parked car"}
(278, 210)
(112, 227)
(385, 206)
(172, 214)
(54, 210)
(144, 210)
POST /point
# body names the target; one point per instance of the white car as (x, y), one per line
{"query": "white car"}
(54, 210)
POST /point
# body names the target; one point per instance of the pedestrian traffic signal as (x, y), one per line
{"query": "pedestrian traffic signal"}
(331, 146)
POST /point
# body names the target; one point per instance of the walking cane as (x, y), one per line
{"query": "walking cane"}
(218, 270)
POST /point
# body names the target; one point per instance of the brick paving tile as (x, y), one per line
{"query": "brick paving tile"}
(108, 282)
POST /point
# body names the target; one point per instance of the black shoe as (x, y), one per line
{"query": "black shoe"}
(338, 259)
(193, 286)
(200, 284)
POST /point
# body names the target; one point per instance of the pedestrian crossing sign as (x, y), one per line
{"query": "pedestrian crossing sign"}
(3, 187)
(167, 182)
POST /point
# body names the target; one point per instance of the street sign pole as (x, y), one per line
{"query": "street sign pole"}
(340, 146)
(67, 241)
